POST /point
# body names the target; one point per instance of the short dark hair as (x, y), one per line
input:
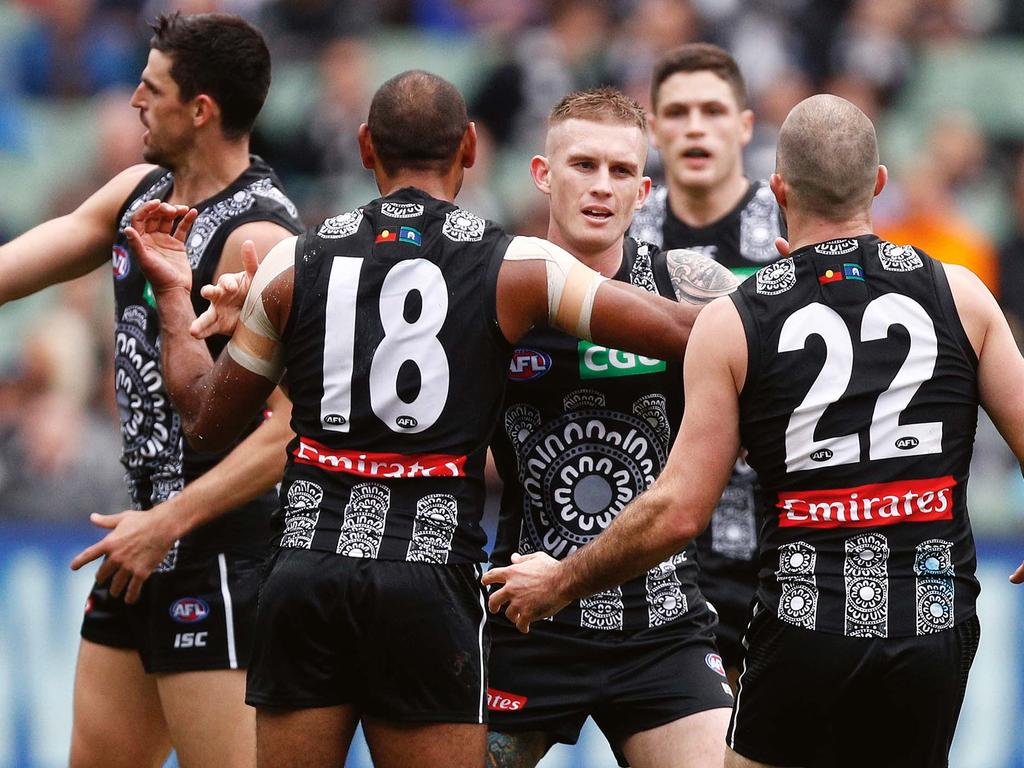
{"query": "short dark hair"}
(699, 57)
(606, 104)
(417, 121)
(221, 55)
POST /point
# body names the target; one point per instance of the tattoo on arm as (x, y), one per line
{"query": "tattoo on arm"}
(697, 279)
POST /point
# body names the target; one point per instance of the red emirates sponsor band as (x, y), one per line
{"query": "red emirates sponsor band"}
(502, 701)
(913, 501)
(368, 464)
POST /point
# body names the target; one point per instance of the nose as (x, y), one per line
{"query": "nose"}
(601, 185)
(694, 123)
(136, 100)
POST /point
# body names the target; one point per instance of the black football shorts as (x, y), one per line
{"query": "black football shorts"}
(399, 641)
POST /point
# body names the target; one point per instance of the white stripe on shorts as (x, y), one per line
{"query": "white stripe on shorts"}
(480, 642)
(229, 615)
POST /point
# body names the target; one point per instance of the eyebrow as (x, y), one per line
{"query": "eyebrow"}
(593, 158)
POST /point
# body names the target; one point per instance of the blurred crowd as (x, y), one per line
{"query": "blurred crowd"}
(943, 79)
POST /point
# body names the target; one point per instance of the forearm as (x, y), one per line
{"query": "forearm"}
(186, 361)
(252, 468)
(646, 533)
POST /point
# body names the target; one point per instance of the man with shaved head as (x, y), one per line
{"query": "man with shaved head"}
(852, 373)
(393, 324)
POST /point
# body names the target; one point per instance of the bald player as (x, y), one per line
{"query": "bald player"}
(852, 372)
(394, 323)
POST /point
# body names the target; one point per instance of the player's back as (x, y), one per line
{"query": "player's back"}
(396, 369)
(859, 412)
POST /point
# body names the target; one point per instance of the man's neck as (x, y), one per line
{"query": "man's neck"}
(809, 230)
(208, 170)
(606, 261)
(701, 207)
(439, 186)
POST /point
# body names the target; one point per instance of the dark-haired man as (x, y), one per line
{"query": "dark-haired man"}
(394, 323)
(584, 430)
(701, 123)
(852, 372)
(168, 670)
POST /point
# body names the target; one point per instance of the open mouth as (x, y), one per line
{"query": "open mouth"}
(597, 214)
(697, 153)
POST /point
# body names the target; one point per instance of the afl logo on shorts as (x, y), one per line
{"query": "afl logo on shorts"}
(121, 262)
(189, 610)
(527, 364)
(714, 662)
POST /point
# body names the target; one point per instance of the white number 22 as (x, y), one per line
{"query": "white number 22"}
(888, 438)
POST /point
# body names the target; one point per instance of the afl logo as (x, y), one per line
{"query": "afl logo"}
(334, 418)
(189, 610)
(120, 262)
(907, 443)
(822, 454)
(406, 422)
(527, 364)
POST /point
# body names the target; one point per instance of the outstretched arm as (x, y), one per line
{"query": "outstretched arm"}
(69, 246)
(539, 283)
(674, 510)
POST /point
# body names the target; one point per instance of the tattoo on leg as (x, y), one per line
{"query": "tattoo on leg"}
(505, 750)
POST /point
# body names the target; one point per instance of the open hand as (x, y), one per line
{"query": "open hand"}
(531, 589)
(136, 544)
(159, 243)
(227, 297)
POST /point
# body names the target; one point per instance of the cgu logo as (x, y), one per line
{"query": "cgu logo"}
(406, 422)
(528, 364)
(189, 610)
(597, 362)
(334, 418)
(907, 443)
(822, 454)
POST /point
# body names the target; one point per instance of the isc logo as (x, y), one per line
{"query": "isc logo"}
(189, 610)
(190, 640)
(528, 364)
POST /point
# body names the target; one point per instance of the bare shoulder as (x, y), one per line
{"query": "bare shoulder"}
(104, 204)
(975, 304)
(696, 278)
(265, 235)
(718, 340)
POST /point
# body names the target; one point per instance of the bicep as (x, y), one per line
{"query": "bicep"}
(265, 235)
(1000, 373)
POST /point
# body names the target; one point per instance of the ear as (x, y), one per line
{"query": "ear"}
(642, 193)
(746, 126)
(204, 109)
(881, 177)
(540, 171)
(778, 187)
(367, 154)
(468, 146)
(652, 128)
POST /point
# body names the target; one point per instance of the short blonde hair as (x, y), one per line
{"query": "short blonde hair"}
(606, 105)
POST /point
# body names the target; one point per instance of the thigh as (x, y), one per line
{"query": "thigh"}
(425, 745)
(316, 737)
(734, 760)
(546, 682)
(210, 724)
(200, 616)
(694, 741)
(118, 720)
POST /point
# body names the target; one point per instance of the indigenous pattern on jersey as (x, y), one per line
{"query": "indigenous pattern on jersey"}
(396, 368)
(158, 462)
(584, 430)
(743, 240)
(859, 413)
